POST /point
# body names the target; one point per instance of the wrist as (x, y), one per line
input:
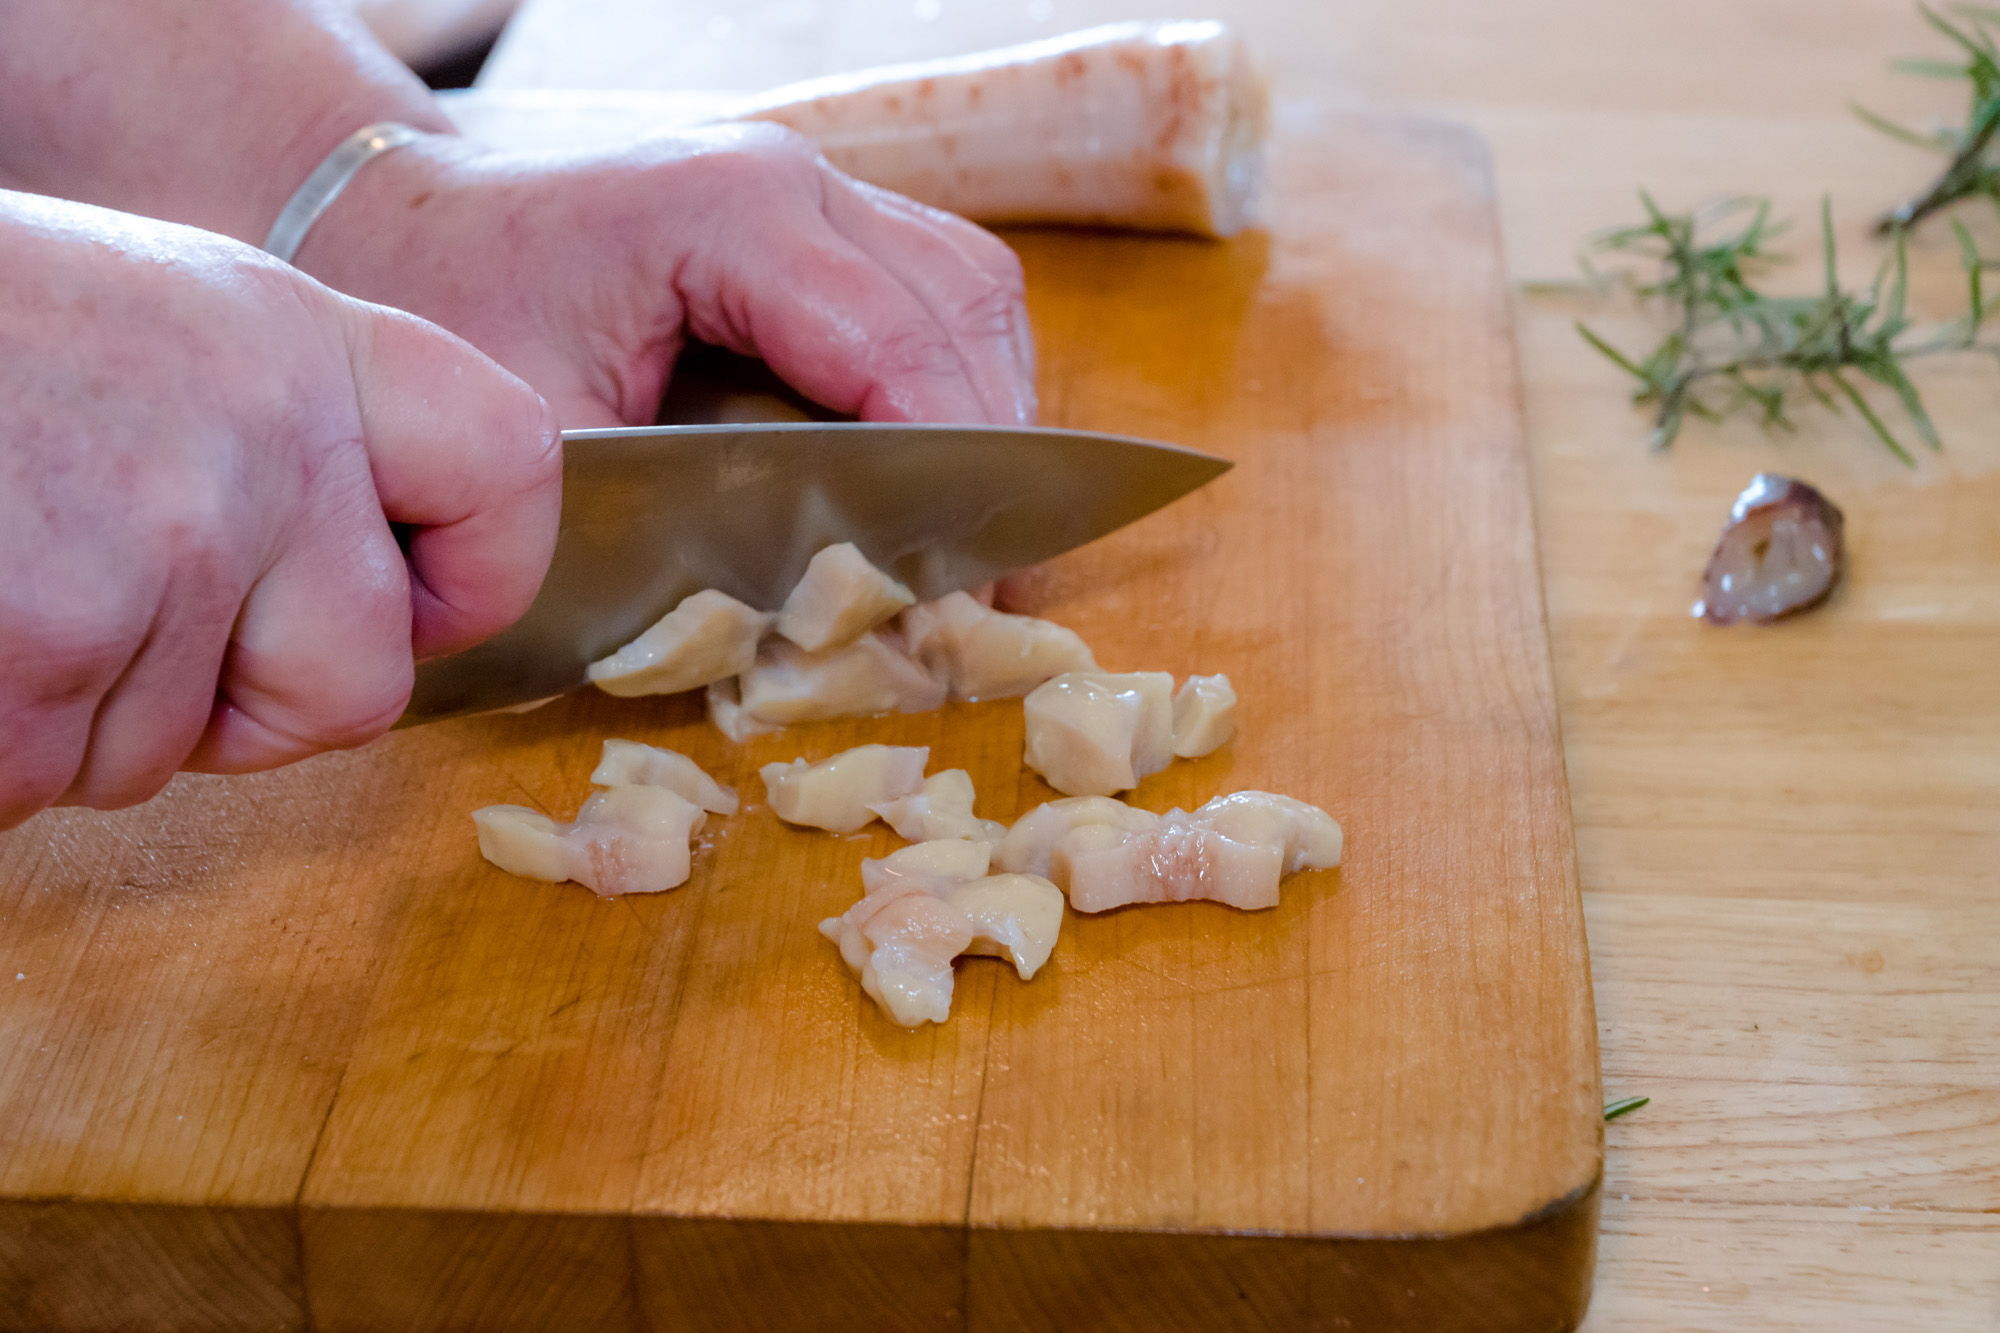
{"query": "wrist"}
(314, 144)
(365, 242)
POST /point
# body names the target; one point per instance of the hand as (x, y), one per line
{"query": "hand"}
(203, 457)
(584, 274)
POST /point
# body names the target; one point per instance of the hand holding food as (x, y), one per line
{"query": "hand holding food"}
(741, 236)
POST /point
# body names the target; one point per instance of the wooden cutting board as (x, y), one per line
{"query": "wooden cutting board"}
(283, 1052)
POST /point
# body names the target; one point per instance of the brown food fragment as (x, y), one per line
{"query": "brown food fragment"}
(1781, 553)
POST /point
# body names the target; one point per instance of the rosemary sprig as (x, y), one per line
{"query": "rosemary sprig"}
(1612, 1110)
(1971, 169)
(1732, 347)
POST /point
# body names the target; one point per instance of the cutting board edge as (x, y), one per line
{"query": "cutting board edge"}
(322, 1266)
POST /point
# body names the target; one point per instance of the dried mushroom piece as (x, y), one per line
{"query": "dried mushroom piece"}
(1781, 554)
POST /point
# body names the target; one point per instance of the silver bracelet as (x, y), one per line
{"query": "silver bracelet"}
(328, 179)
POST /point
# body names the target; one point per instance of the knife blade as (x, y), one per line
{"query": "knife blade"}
(652, 514)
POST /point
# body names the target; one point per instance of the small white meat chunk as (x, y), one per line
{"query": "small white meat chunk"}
(634, 764)
(932, 866)
(1204, 715)
(1016, 917)
(943, 809)
(1092, 733)
(1104, 867)
(836, 793)
(624, 840)
(988, 654)
(726, 712)
(709, 637)
(1309, 836)
(902, 942)
(870, 675)
(840, 598)
(1028, 845)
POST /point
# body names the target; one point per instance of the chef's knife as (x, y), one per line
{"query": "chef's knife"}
(652, 514)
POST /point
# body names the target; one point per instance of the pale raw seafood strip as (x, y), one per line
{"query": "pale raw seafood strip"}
(1155, 125)
(1309, 836)
(988, 654)
(836, 794)
(635, 764)
(726, 712)
(902, 942)
(1204, 715)
(1235, 849)
(710, 636)
(1029, 844)
(624, 840)
(933, 866)
(1093, 733)
(1016, 917)
(840, 598)
(868, 676)
(1151, 124)
(1102, 867)
(943, 809)
(926, 905)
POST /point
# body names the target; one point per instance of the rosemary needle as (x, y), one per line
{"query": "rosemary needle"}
(1971, 170)
(1612, 1110)
(1732, 347)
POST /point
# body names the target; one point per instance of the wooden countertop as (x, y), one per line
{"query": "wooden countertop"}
(1790, 838)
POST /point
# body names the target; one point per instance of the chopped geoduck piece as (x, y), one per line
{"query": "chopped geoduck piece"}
(1029, 844)
(1016, 917)
(1308, 835)
(840, 598)
(870, 675)
(836, 794)
(902, 943)
(624, 840)
(988, 654)
(710, 636)
(1204, 715)
(1093, 733)
(932, 866)
(926, 905)
(725, 711)
(1236, 849)
(1102, 867)
(634, 764)
(943, 809)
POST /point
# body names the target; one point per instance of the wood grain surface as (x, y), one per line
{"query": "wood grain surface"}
(1790, 841)
(284, 1052)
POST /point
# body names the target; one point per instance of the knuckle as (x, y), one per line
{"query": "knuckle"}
(756, 159)
(989, 307)
(68, 655)
(917, 349)
(119, 791)
(357, 716)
